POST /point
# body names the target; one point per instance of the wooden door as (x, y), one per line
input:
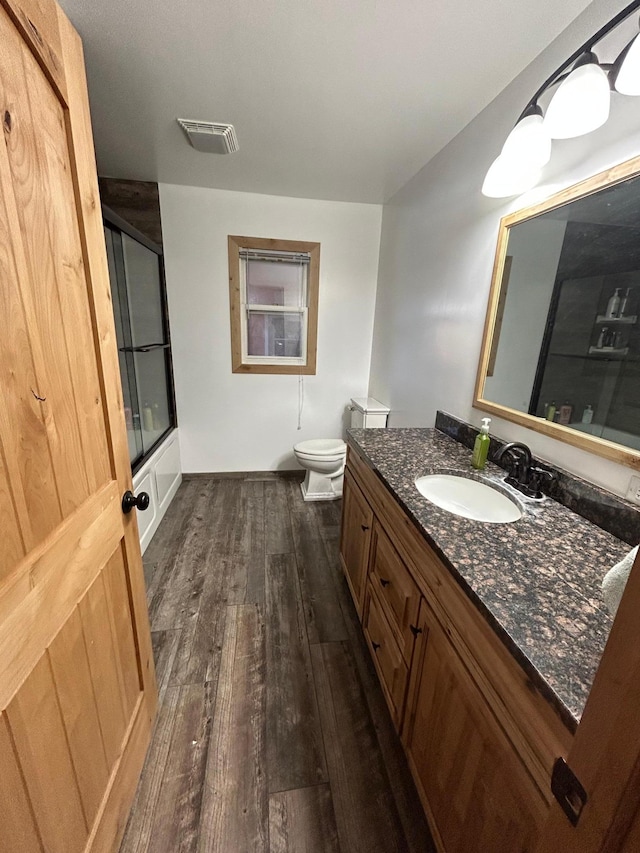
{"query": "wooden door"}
(355, 539)
(476, 791)
(605, 753)
(77, 688)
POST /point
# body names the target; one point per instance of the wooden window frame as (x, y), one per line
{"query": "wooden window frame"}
(236, 244)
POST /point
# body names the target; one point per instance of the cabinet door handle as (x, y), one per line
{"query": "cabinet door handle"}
(376, 646)
(364, 526)
(384, 582)
(415, 631)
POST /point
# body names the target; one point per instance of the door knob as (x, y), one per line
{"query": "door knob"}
(129, 501)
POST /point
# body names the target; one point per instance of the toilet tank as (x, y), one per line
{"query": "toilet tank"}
(368, 413)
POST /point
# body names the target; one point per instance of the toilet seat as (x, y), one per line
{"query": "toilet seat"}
(321, 448)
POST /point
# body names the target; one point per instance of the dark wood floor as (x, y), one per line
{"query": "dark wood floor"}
(272, 733)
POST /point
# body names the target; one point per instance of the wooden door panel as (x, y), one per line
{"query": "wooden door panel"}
(19, 830)
(105, 665)
(11, 542)
(28, 99)
(78, 705)
(50, 581)
(70, 719)
(38, 23)
(74, 305)
(38, 732)
(122, 619)
(25, 442)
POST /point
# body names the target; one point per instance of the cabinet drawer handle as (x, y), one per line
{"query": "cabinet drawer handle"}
(384, 582)
(415, 631)
(364, 526)
(376, 646)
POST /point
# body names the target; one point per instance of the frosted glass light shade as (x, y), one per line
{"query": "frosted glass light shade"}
(627, 78)
(506, 177)
(528, 143)
(580, 104)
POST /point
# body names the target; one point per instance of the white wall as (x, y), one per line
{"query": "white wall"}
(438, 241)
(232, 422)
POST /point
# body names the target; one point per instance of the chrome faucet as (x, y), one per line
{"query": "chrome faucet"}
(522, 473)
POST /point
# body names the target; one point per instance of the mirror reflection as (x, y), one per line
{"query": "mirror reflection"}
(566, 340)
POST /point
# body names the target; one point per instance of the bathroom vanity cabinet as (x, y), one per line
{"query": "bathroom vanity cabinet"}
(479, 737)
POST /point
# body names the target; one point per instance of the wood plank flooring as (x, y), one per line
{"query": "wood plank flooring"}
(272, 734)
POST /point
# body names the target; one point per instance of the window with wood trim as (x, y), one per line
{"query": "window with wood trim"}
(273, 288)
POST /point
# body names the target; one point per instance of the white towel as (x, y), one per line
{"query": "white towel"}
(615, 581)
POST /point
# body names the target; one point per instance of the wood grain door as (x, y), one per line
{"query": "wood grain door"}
(476, 791)
(77, 688)
(355, 538)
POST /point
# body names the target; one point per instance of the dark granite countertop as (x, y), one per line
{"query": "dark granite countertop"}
(536, 580)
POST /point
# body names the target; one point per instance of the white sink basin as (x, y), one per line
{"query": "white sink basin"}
(468, 498)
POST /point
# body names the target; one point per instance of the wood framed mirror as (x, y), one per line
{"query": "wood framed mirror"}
(561, 346)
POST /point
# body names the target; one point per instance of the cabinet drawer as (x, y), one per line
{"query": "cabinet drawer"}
(397, 592)
(392, 670)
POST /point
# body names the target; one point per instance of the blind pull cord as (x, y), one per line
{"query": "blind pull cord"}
(300, 376)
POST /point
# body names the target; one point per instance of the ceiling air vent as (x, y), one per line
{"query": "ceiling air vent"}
(209, 136)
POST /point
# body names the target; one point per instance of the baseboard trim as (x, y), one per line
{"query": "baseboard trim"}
(244, 475)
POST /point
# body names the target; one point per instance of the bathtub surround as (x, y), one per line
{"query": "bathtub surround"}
(231, 422)
(602, 508)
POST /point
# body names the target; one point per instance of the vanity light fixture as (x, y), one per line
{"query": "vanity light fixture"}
(579, 105)
(625, 74)
(581, 102)
(525, 151)
(508, 177)
(529, 141)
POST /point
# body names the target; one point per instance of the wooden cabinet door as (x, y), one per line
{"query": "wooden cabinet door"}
(355, 538)
(476, 792)
(77, 689)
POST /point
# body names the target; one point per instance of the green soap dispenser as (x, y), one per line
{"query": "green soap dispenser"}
(481, 446)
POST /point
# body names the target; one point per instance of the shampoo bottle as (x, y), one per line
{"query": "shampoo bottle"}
(147, 418)
(613, 306)
(481, 446)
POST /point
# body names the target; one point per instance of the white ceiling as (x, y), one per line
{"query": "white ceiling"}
(331, 99)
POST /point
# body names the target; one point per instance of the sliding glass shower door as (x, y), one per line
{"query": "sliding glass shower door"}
(142, 331)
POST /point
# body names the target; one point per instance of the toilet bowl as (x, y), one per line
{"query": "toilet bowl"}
(324, 460)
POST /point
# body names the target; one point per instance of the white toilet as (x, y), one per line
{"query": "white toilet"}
(324, 458)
